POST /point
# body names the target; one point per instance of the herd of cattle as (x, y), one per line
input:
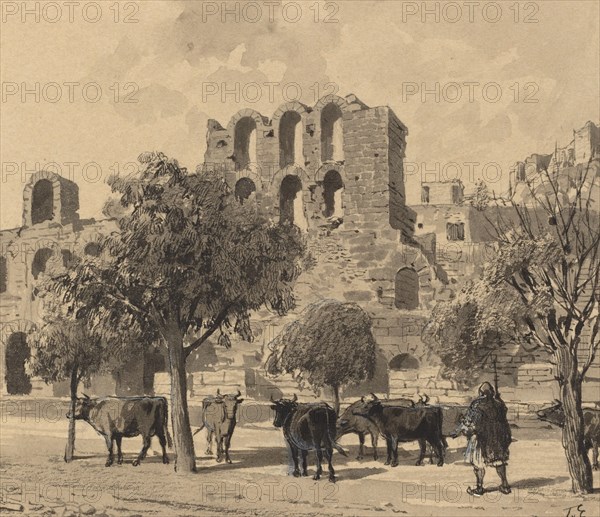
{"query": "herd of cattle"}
(306, 426)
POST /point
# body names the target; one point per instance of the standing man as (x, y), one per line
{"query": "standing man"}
(487, 429)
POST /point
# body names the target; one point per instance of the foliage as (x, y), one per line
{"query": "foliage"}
(465, 332)
(188, 260)
(64, 344)
(330, 345)
(188, 253)
(541, 286)
(481, 197)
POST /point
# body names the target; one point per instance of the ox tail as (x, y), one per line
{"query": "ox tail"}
(166, 424)
(339, 448)
(332, 429)
(199, 428)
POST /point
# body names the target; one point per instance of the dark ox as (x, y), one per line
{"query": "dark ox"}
(219, 416)
(118, 417)
(308, 427)
(452, 416)
(350, 422)
(591, 426)
(405, 424)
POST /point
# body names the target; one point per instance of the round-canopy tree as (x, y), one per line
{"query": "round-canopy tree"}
(331, 344)
(67, 347)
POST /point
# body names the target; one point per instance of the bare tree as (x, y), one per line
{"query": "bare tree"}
(549, 257)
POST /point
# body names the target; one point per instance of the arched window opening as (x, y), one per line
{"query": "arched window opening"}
(291, 206)
(67, 257)
(455, 231)
(425, 195)
(404, 362)
(333, 188)
(3, 275)
(456, 195)
(17, 352)
(332, 138)
(42, 202)
(92, 249)
(407, 289)
(290, 139)
(40, 260)
(244, 143)
(244, 188)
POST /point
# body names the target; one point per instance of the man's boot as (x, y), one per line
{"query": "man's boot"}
(478, 490)
(504, 486)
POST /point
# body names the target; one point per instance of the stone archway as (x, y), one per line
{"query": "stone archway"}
(288, 123)
(244, 143)
(40, 261)
(406, 289)
(244, 189)
(332, 138)
(291, 204)
(290, 139)
(92, 249)
(42, 201)
(333, 189)
(16, 354)
(404, 362)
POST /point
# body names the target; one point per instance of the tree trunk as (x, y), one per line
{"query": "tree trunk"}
(580, 467)
(185, 460)
(70, 447)
(336, 399)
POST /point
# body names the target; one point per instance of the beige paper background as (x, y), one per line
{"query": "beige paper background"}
(370, 51)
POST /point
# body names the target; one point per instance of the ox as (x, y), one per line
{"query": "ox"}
(591, 426)
(118, 417)
(219, 416)
(350, 422)
(405, 424)
(308, 427)
(452, 416)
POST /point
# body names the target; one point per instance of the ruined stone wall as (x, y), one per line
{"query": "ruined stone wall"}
(34, 251)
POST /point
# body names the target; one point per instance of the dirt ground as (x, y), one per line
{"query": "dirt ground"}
(33, 476)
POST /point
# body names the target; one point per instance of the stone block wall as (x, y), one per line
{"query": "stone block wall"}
(22, 248)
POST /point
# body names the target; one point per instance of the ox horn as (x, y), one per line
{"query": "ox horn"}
(86, 396)
(271, 397)
(295, 398)
(218, 392)
(238, 394)
(374, 396)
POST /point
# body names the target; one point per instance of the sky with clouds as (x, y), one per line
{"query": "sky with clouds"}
(513, 78)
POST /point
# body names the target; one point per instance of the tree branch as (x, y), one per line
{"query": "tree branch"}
(209, 332)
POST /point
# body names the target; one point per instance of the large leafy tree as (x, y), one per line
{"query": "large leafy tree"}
(188, 261)
(544, 286)
(331, 344)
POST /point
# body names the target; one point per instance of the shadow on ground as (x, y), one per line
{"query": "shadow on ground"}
(539, 482)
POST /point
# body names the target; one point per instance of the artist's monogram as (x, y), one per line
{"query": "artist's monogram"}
(575, 511)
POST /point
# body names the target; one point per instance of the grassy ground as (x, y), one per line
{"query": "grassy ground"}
(34, 476)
